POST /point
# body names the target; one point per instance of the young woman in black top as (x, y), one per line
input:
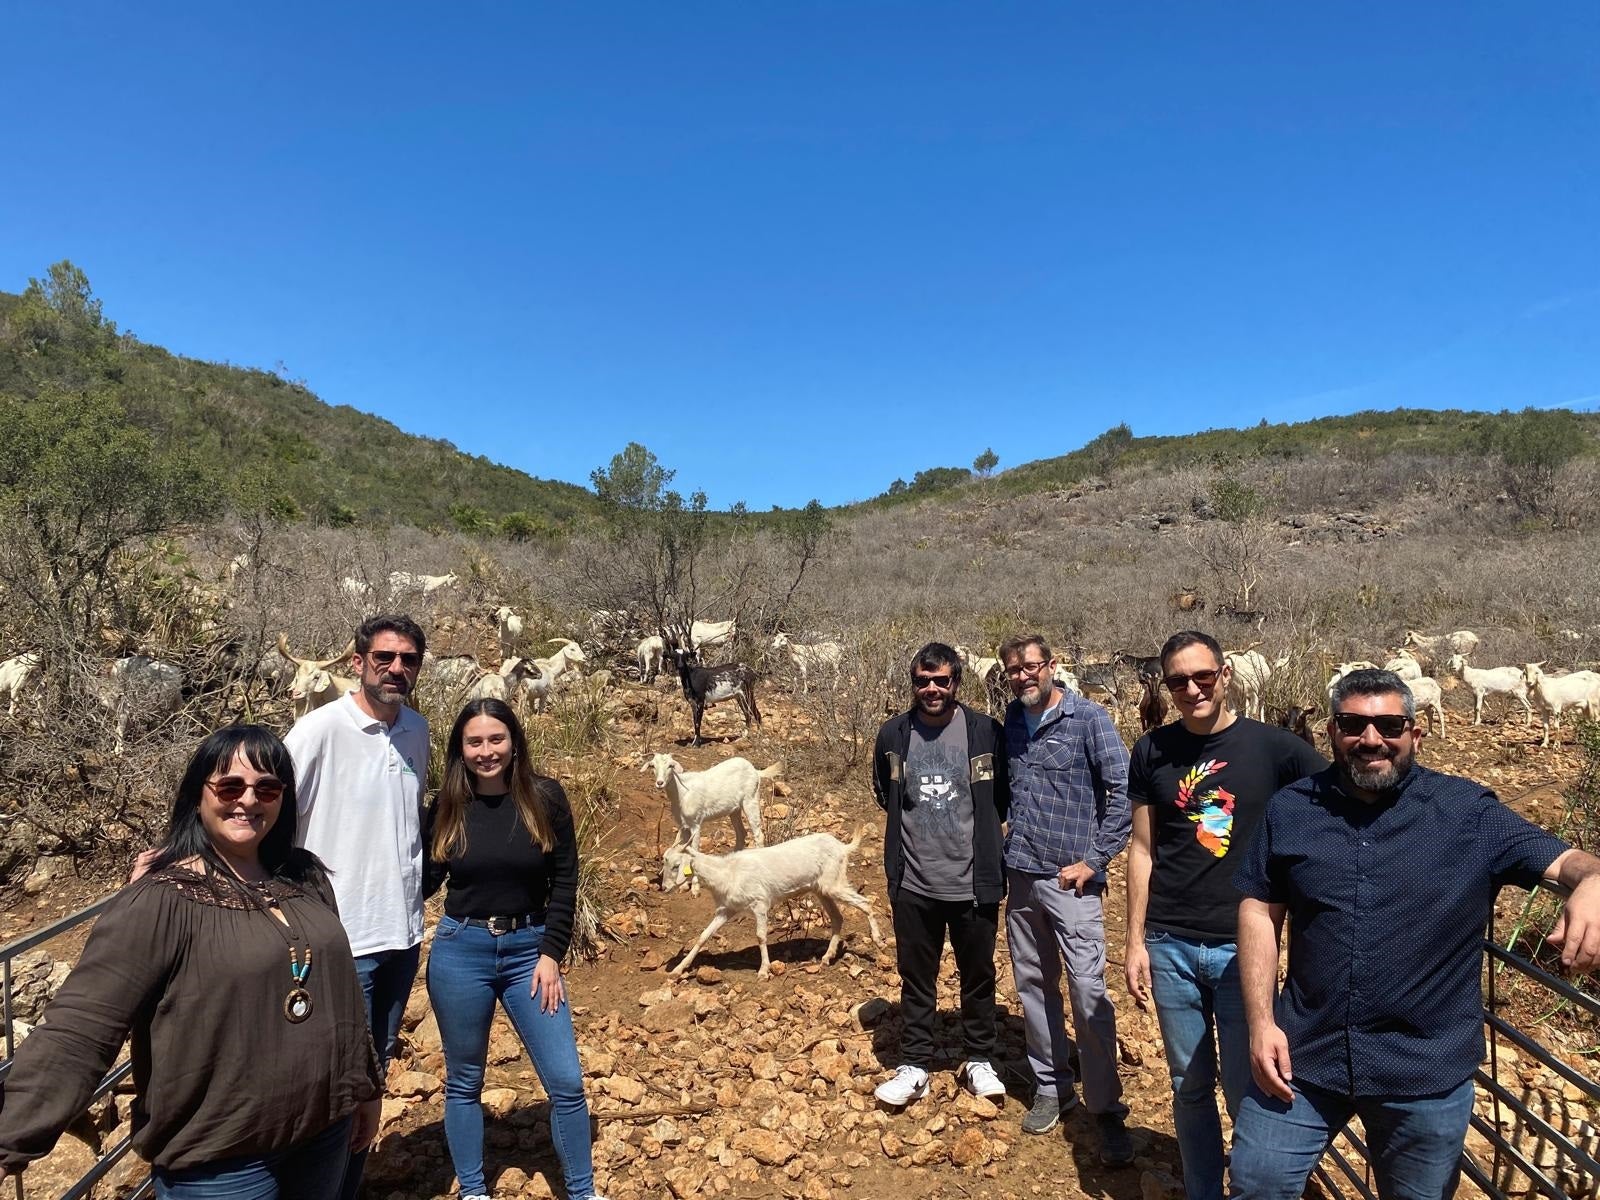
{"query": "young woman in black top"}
(502, 836)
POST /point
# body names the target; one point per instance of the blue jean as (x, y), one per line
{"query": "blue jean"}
(386, 979)
(311, 1170)
(1195, 983)
(1415, 1142)
(470, 968)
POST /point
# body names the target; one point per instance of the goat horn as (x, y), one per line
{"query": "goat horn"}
(283, 649)
(350, 648)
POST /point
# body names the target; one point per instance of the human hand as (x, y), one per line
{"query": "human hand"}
(548, 988)
(1269, 1062)
(141, 865)
(1137, 966)
(1577, 929)
(364, 1124)
(1077, 877)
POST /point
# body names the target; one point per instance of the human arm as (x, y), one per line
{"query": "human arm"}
(1260, 927)
(880, 768)
(364, 1123)
(1108, 762)
(116, 985)
(434, 871)
(1140, 862)
(1577, 929)
(561, 911)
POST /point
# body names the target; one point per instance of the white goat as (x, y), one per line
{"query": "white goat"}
(1495, 681)
(355, 589)
(1462, 641)
(711, 633)
(1247, 688)
(732, 789)
(313, 684)
(508, 627)
(754, 880)
(564, 662)
(1405, 665)
(1427, 694)
(406, 581)
(807, 657)
(1554, 693)
(140, 691)
(1344, 669)
(451, 671)
(14, 675)
(1066, 680)
(650, 653)
(513, 676)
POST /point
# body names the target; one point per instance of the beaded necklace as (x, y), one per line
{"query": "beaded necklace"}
(297, 1003)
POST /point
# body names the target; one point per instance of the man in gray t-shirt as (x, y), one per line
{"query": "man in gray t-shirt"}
(938, 772)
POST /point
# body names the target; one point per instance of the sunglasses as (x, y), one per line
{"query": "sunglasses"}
(1355, 724)
(229, 788)
(1203, 680)
(918, 682)
(409, 659)
(1025, 668)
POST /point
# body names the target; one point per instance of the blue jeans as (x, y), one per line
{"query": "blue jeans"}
(1415, 1142)
(386, 979)
(470, 968)
(1195, 983)
(311, 1170)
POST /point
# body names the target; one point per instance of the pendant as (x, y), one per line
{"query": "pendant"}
(297, 1005)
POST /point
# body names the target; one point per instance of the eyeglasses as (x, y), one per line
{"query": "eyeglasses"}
(409, 659)
(1355, 724)
(1026, 668)
(1204, 680)
(268, 789)
(918, 682)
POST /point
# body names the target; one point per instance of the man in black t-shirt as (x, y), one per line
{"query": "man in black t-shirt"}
(1198, 788)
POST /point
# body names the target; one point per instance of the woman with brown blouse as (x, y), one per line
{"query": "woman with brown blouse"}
(227, 964)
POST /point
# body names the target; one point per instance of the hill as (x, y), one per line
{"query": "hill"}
(272, 443)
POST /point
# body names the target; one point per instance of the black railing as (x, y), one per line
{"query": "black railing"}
(108, 1159)
(1511, 1169)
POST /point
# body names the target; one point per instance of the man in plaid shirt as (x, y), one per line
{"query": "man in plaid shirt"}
(1069, 818)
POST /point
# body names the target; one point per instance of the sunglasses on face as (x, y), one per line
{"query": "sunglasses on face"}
(918, 682)
(229, 788)
(1355, 724)
(409, 659)
(1204, 680)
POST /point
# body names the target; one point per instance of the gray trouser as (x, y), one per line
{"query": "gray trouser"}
(1044, 927)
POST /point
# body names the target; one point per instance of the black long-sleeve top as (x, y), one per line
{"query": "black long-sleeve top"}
(503, 872)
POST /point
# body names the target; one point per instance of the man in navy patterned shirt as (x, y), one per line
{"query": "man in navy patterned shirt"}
(1389, 872)
(1069, 818)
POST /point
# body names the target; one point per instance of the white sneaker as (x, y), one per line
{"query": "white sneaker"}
(909, 1083)
(982, 1081)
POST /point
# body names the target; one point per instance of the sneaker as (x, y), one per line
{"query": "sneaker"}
(909, 1083)
(982, 1081)
(1116, 1147)
(1046, 1112)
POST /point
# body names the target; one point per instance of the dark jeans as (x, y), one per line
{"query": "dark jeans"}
(386, 979)
(920, 925)
(310, 1170)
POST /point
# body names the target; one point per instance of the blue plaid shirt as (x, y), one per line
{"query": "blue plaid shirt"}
(1069, 789)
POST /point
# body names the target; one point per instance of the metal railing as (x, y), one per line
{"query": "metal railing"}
(1511, 1169)
(108, 1159)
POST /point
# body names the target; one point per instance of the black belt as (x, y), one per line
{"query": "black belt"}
(499, 925)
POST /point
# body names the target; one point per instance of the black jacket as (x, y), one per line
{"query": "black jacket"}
(991, 798)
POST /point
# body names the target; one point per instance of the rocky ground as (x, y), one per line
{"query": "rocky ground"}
(722, 1084)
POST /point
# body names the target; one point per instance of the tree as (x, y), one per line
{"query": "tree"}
(1237, 546)
(1105, 451)
(1533, 446)
(634, 483)
(985, 463)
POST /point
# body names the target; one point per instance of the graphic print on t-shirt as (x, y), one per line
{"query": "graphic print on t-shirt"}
(1211, 811)
(939, 781)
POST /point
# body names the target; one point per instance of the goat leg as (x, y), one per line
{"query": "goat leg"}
(717, 922)
(760, 913)
(836, 919)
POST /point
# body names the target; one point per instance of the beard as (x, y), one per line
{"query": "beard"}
(1378, 773)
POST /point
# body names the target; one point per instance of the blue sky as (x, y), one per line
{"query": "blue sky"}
(801, 249)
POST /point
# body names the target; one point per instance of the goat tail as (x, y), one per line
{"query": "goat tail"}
(854, 843)
(775, 771)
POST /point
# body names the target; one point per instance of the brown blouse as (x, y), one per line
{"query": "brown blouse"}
(199, 983)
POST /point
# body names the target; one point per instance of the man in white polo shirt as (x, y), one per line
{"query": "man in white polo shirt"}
(361, 764)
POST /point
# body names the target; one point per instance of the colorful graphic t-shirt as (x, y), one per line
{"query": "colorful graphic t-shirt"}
(936, 828)
(1206, 795)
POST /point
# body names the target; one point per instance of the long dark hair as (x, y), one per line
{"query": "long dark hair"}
(186, 836)
(527, 785)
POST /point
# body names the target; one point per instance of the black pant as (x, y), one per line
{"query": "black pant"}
(919, 929)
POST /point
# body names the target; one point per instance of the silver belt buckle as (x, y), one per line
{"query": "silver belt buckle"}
(501, 925)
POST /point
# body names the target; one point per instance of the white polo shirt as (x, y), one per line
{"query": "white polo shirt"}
(360, 786)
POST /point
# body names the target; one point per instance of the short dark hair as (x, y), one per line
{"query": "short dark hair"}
(389, 623)
(1014, 646)
(1185, 638)
(1372, 682)
(935, 655)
